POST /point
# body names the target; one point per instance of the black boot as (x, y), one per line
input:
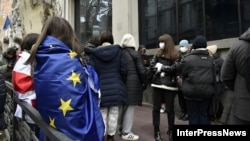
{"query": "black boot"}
(158, 136)
(185, 117)
(170, 134)
(110, 138)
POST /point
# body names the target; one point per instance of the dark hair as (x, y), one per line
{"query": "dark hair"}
(6, 40)
(28, 41)
(169, 51)
(106, 36)
(17, 40)
(11, 50)
(59, 28)
(94, 41)
(142, 48)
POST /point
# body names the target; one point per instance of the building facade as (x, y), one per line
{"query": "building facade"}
(221, 21)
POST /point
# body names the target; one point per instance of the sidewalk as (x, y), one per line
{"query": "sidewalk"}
(3, 135)
(143, 124)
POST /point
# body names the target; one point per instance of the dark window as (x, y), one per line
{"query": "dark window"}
(216, 19)
(148, 23)
(156, 18)
(221, 19)
(166, 18)
(245, 16)
(190, 19)
(92, 17)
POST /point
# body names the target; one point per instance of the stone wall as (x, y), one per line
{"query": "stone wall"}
(5, 10)
(28, 16)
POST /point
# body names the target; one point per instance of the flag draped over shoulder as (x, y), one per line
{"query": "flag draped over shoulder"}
(67, 92)
(23, 83)
(6, 23)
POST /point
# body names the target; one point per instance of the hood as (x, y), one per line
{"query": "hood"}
(106, 53)
(212, 48)
(128, 41)
(246, 35)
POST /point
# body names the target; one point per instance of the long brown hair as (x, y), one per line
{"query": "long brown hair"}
(59, 28)
(169, 51)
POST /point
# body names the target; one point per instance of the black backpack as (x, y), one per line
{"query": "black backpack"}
(216, 107)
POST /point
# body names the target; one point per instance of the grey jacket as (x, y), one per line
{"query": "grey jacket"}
(233, 76)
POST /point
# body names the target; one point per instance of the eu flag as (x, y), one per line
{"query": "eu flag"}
(67, 92)
(6, 23)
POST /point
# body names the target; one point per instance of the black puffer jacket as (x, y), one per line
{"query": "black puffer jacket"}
(3, 92)
(198, 76)
(165, 79)
(110, 65)
(136, 77)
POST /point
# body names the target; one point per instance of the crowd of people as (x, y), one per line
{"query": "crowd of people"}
(93, 94)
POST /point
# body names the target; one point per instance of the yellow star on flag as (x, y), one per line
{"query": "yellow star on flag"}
(52, 122)
(75, 78)
(65, 106)
(51, 46)
(72, 54)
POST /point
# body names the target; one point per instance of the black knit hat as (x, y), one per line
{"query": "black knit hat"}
(199, 42)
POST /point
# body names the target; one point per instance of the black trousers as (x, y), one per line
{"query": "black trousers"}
(168, 97)
(2, 103)
(182, 102)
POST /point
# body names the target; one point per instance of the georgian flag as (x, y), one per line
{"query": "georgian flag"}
(23, 83)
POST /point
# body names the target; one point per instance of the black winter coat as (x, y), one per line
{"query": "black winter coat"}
(3, 91)
(165, 79)
(136, 77)
(110, 65)
(197, 70)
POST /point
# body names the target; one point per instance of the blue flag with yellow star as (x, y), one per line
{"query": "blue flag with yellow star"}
(67, 92)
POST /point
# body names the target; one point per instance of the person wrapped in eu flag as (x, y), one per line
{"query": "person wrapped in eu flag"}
(67, 89)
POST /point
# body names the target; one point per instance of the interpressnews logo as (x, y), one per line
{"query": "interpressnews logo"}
(202, 132)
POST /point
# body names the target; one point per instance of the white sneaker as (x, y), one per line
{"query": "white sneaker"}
(130, 137)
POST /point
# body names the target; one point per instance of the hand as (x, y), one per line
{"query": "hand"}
(179, 82)
(158, 66)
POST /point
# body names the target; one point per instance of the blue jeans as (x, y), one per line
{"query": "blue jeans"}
(198, 112)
